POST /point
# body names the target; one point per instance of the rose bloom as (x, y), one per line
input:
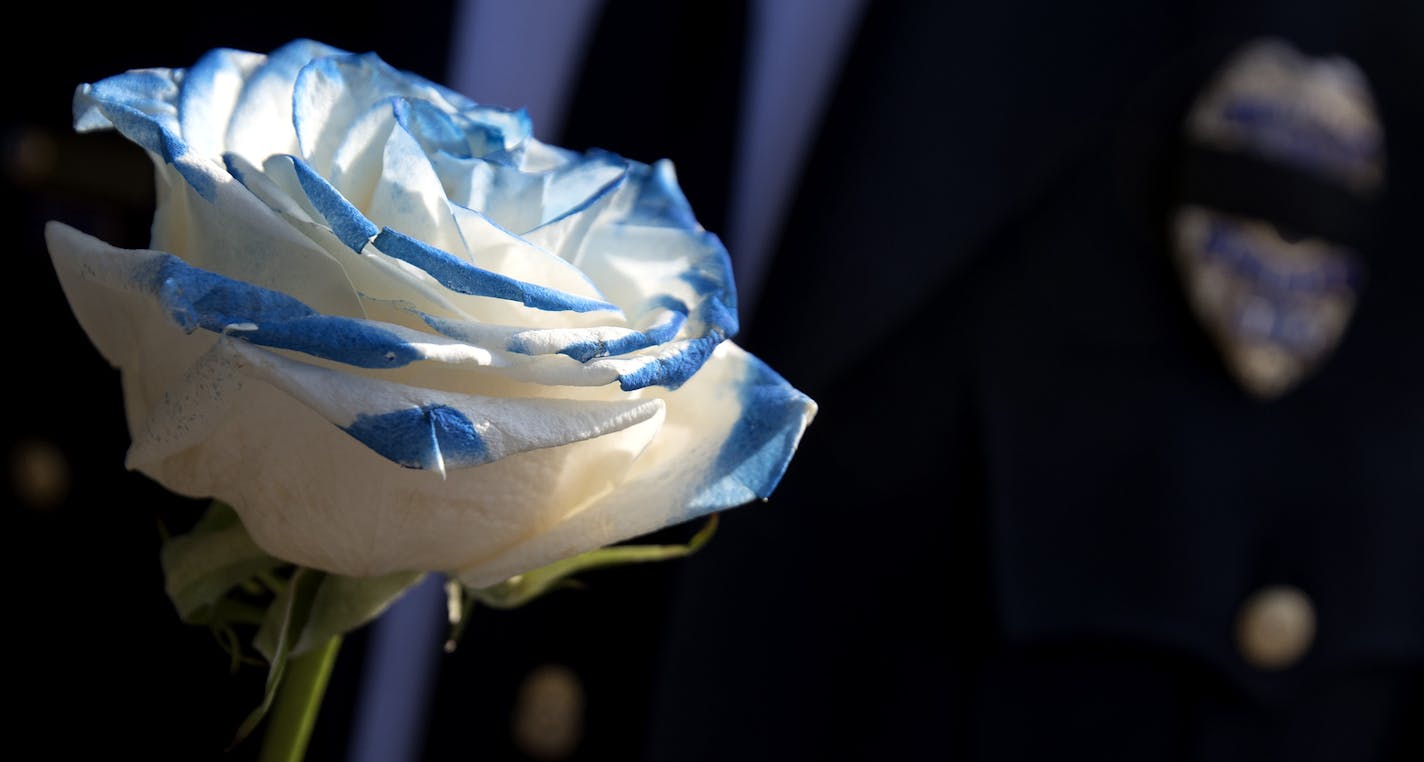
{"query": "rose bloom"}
(397, 333)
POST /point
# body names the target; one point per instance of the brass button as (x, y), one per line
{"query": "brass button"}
(549, 713)
(1276, 627)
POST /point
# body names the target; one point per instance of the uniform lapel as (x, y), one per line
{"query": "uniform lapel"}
(922, 158)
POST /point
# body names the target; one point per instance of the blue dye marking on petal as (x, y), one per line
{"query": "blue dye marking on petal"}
(761, 443)
(197, 298)
(282, 66)
(462, 277)
(197, 89)
(711, 278)
(669, 302)
(151, 134)
(151, 92)
(664, 331)
(674, 370)
(660, 201)
(202, 118)
(232, 169)
(139, 105)
(340, 339)
(434, 129)
(422, 437)
(715, 313)
(565, 181)
(346, 221)
(583, 351)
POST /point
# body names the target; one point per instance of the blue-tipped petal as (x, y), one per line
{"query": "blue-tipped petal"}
(672, 367)
(661, 202)
(141, 105)
(437, 130)
(262, 184)
(196, 298)
(209, 94)
(759, 448)
(349, 224)
(414, 427)
(585, 344)
(152, 93)
(727, 438)
(436, 430)
(579, 186)
(464, 278)
(330, 93)
(492, 247)
(262, 120)
(409, 196)
(648, 249)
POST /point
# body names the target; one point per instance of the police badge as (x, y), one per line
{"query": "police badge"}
(1283, 157)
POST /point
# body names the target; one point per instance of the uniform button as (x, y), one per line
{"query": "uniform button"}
(1276, 627)
(549, 713)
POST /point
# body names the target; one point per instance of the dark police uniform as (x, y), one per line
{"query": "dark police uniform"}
(1038, 517)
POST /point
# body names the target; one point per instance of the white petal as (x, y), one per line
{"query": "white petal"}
(412, 426)
(311, 493)
(235, 234)
(729, 435)
(409, 197)
(209, 94)
(262, 120)
(494, 248)
(107, 289)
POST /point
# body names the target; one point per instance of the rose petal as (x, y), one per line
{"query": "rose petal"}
(262, 120)
(209, 95)
(414, 427)
(728, 437)
(408, 197)
(584, 344)
(356, 167)
(315, 495)
(465, 278)
(575, 197)
(203, 214)
(128, 327)
(493, 248)
(647, 252)
(263, 183)
(142, 106)
(235, 234)
(194, 298)
(509, 196)
(640, 363)
(330, 94)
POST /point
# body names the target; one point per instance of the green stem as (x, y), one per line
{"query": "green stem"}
(289, 727)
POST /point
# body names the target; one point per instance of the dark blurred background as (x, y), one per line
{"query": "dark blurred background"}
(1033, 510)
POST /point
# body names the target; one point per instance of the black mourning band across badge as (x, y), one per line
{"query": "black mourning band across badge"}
(1284, 159)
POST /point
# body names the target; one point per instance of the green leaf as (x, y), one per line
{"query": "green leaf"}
(340, 604)
(200, 567)
(523, 588)
(291, 610)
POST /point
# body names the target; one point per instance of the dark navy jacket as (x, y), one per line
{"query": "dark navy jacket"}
(1034, 503)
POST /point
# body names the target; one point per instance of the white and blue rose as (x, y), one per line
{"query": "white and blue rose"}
(397, 333)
